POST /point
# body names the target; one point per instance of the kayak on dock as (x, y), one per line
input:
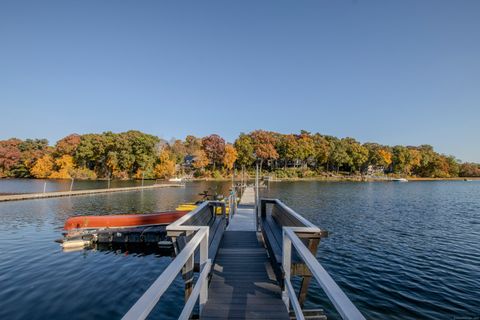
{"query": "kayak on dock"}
(85, 231)
(189, 206)
(123, 220)
(206, 196)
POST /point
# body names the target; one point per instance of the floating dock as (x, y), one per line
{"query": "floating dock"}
(30, 196)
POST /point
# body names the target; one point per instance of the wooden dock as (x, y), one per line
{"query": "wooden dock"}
(30, 196)
(243, 285)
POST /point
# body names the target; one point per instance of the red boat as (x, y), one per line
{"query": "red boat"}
(123, 220)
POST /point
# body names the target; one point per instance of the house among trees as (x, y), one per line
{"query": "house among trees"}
(375, 170)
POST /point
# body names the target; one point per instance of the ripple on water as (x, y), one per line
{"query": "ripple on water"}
(400, 251)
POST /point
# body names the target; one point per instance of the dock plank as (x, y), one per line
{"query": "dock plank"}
(241, 286)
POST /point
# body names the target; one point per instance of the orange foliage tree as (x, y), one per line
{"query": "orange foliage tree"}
(230, 156)
(201, 160)
(385, 157)
(166, 166)
(64, 166)
(43, 167)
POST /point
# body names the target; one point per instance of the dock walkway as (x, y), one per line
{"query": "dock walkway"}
(239, 278)
(30, 196)
(243, 285)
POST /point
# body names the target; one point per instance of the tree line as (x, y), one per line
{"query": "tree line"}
(136, 155)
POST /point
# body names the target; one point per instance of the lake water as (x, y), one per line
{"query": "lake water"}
(399, 250)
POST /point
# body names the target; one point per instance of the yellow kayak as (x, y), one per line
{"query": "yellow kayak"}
(190, 206)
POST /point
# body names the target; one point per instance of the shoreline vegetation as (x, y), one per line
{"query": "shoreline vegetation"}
(303, 156)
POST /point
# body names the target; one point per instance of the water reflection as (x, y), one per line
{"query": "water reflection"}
(400, 251)
(38, 280)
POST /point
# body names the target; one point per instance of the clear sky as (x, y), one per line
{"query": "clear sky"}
(393, 72)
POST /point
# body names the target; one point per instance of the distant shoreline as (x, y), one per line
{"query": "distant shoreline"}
(316, 178)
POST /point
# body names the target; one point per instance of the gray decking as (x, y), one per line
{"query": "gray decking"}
(243, 286)
(244, 218)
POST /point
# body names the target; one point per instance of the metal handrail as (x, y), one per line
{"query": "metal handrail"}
(293, 299)
(339, 299)
(142, 308)
(305, 222)
(232, 200)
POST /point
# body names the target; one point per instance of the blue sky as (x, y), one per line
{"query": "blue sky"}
(394, 72)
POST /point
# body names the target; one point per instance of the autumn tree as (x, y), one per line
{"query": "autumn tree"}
(31, 150)
(244, 147)
(214, 148)
(67, 145)
(230, 156)
(357, 153)
(264, 145)
(166, 166)
(178, 150)
(339, 156)
(64, 168)
(385, 157)
(401, 160)
(143, 149)
(287, 149)
(322, 150)
(378, 155)
(126, 154)
(192, 144)
(200, 160)
(42, 167)
(415, 159)
(469, 170)
(9, 156)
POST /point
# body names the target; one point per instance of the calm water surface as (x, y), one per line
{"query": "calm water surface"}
(399, 250)
(40, 281)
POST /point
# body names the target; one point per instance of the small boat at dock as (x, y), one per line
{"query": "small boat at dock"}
(399, 180)
(84, 231)
(123, 220)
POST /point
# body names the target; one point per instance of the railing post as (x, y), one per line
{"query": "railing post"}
(256, 196)
(203, 260)
(286, 265)
(263, 208)
(188, 271)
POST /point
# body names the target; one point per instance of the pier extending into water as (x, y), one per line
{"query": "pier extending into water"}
(245, 263)
(30, 196)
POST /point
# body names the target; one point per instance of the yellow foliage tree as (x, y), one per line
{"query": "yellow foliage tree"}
(65, 168)
(230, 156)
(415, 158)
(201, 160)
(386, 157)
(43, 167)
(166, 167)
